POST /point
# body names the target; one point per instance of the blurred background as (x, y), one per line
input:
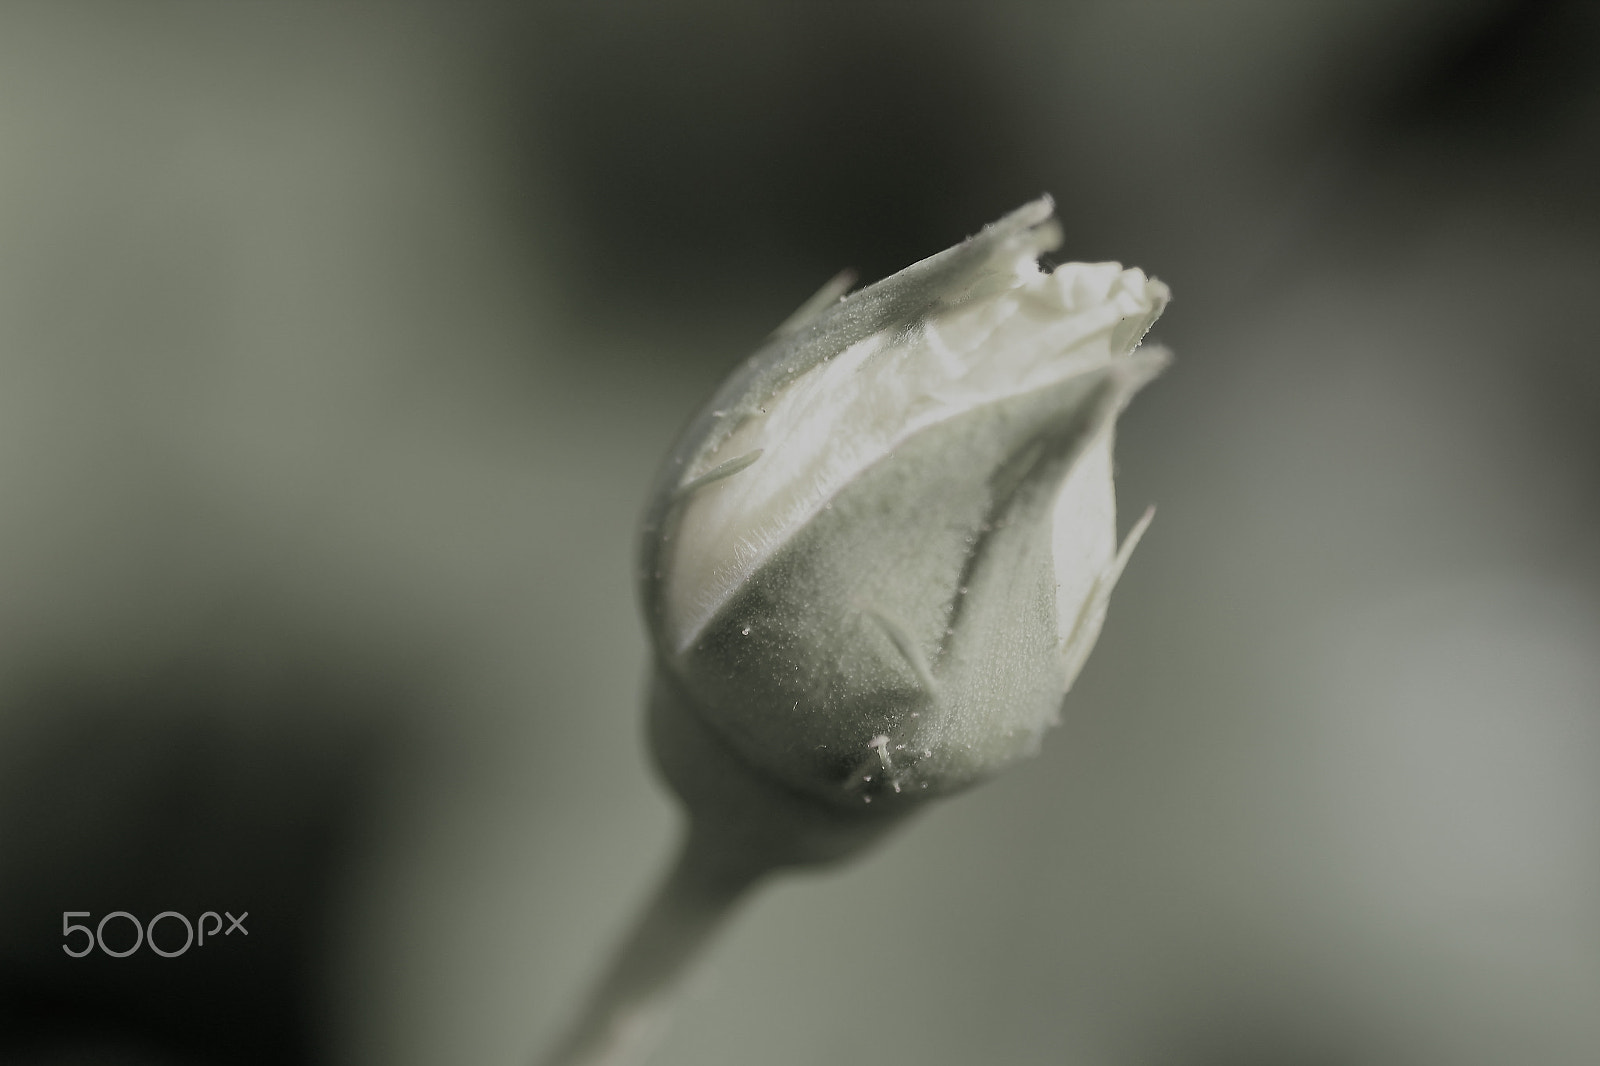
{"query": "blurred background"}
(338, 345)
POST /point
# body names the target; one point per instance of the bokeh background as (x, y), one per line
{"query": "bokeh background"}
(338, 344)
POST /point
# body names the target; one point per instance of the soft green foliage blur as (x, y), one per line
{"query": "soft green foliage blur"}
(342, 342)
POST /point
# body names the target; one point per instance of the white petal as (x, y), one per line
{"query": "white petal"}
(838, 418)
(1085, 531)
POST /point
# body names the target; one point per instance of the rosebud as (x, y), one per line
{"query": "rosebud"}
(877, 560)
(872, 568)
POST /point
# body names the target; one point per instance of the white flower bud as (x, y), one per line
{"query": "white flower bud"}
(878, 559)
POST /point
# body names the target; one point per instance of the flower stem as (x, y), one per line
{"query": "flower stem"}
(628, 1011)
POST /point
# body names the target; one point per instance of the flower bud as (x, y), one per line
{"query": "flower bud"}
(877, 560)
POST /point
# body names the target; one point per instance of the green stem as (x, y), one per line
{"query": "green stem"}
(628, 1011)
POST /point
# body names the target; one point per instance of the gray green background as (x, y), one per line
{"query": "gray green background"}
(338, 344)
